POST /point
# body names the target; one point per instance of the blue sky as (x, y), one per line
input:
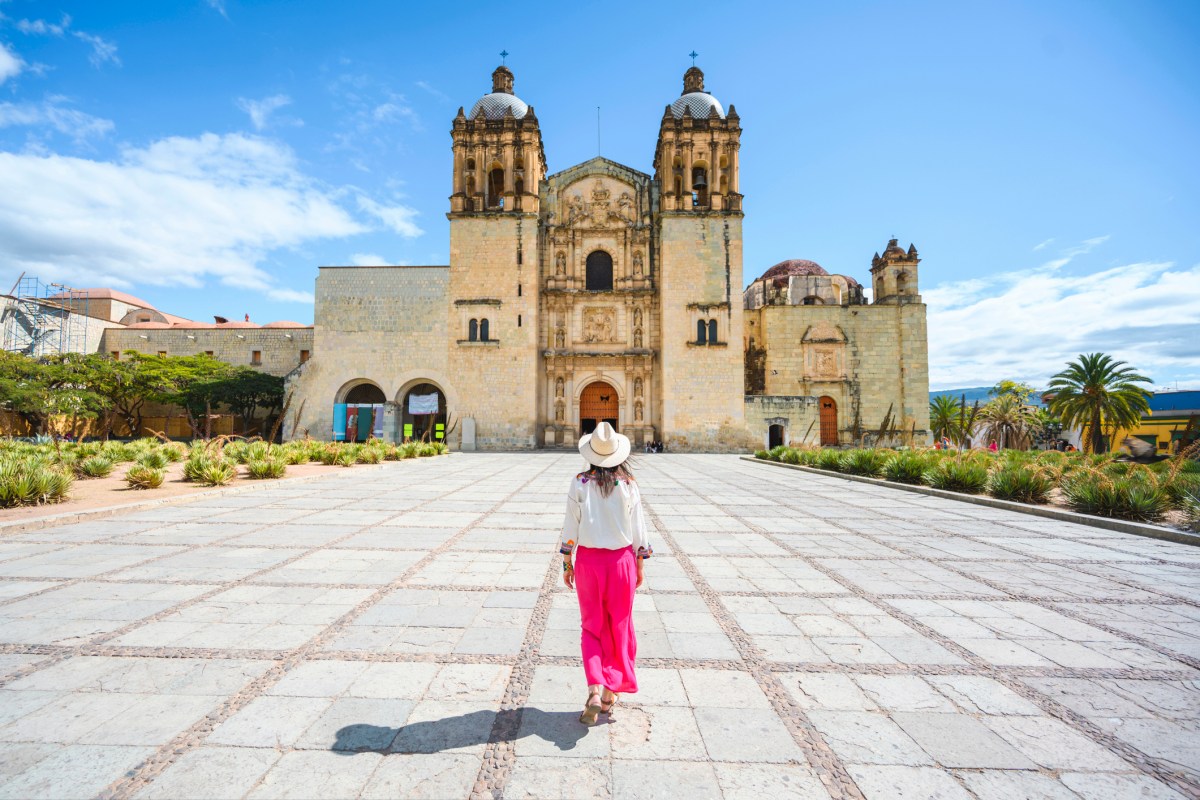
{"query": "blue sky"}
(1042, 156)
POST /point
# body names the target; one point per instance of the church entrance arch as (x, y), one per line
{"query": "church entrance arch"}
(598, 403)
(829, 422)
(423, 413)
(358, 416)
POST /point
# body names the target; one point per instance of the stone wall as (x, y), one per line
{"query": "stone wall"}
(799, 415)
(279, 348)
(380, 325)
(701, 279)
(494, 275)
(867, 358)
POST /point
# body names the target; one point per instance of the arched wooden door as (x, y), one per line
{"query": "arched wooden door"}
(829, 421)
(597, 404)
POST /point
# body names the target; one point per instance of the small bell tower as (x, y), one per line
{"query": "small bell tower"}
(894, 275)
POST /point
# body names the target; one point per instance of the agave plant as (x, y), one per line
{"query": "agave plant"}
(266, 468)
(957, 474)
(95, 467)
(909, 467)
(216, 473)
(1022, 484)
(864, 462)
(144, 477)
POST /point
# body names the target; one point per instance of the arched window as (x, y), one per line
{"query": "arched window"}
(599, 272)
(712, 331)
(701, 332)
(495, 198)
(812, 300)
(473, 331)
(483, 330)
(700, 185)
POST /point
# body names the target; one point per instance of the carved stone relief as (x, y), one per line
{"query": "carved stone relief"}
(599, 324)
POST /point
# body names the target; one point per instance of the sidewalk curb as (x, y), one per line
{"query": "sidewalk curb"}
(1049, 512)
(69, 517)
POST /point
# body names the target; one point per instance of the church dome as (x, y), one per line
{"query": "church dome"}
(494, 106)
(794, 266)
(501, 99)
(698, 102)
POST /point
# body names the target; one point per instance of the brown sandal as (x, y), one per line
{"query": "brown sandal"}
(591, 711)
(610, 706)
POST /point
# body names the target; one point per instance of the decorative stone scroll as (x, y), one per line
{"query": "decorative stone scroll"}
(599, 324)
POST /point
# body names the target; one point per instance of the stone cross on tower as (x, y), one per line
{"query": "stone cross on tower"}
(693, 54)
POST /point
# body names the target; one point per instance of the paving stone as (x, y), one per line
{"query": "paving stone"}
(658, 780)
(1103, 786)
(427, 776)
(860, 737)
(759, 781)
(1004, 785)
(77, 772)
(955, 740)
(656, 732)
(906, 783)
(315, 773)
(538, 777)
(208, 772)
(746, 734)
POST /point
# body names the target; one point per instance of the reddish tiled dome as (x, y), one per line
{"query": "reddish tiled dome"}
(285, 323)
(794, 266)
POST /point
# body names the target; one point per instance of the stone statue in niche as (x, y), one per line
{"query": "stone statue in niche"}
(560, 263)
(599, 324)
(560, 337)
(637, 337)
(625, 202)
(574, 208)
(637, 318)
(558, 412)
(558, 388)
(825, 364)
(637, 411)
(637, 387)
(637, 264)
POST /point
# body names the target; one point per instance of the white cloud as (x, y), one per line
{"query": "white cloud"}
(10, 64)
(398, 218)
(103, 51)
(291, 296)
(219, 7)
(175, 213)
(260, 110)
(1043, 245)
(1026, 325)
(369, 260)
(39, 27)
(52, 113)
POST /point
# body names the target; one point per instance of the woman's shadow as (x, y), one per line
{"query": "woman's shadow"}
(478, 727)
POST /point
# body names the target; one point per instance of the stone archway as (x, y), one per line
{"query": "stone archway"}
(423, 412)
(358, 412)
(598, 403)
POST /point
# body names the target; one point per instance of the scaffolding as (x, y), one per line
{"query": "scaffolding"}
(44, 319)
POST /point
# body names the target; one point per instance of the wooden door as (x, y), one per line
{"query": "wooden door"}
(829, 421)
(597, 404)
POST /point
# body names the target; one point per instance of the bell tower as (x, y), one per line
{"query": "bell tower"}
(700, 257)
(493, 296)
(498, 154)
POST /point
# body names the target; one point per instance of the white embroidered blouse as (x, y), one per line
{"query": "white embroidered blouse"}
(608, 523)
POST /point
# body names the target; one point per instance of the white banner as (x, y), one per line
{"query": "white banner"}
(423, 403)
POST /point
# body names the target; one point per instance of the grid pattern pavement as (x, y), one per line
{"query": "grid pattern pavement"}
(403, 631)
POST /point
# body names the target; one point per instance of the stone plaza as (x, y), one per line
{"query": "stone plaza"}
(402, 631)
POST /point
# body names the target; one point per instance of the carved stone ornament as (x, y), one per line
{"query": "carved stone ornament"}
(599, 324)
(558, 388)
(637, 264)
(560, 263)
(825, 362)
(637, 318)
(625, 203)
(560, 337)
(637, 337)
(558, 412)
(824, 332)
(637, 411)
(637, 387)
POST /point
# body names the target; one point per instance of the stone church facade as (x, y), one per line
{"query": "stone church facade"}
(596, 293)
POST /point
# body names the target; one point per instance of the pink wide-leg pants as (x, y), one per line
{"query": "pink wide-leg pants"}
(605, 582)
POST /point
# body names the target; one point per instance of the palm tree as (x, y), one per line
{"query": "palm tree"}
(1009, 421)
(1099, 394)
(945, 417)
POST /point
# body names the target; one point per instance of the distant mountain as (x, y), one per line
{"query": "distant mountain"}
(974, 393)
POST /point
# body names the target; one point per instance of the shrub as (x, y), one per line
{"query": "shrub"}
(174, 451)
(370, 455)
(345, 457)
(215, 472)
(441, 448)
(294, 455)
(1096, 493)
(1023, 484)
(266, 468)
(142, 476)
(410, 449)
(32, 481)
(427, 449)
(868, 462)
(957, 474)
(776, 452)
(829, 459)
(154, 459)
(907, 467)
(1179, 487)
(1191, 510)
(391, 453)
(95, 467)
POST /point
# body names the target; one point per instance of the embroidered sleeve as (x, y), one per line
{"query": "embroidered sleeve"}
(570, 534)
(637, 519)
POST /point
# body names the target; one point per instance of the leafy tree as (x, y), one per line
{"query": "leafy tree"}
(1022, 391)
(1010, 420)
(22, 388)
(1100, 395)
(193, 383)
(247, 390)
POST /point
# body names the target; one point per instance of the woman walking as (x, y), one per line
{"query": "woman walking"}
(605, 531)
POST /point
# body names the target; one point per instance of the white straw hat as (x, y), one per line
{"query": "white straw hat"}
(604, 447)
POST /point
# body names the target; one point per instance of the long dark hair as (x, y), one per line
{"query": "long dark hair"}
(606, 477)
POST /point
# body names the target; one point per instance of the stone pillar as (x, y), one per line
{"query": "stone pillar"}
(468, 435)
(391, 422)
